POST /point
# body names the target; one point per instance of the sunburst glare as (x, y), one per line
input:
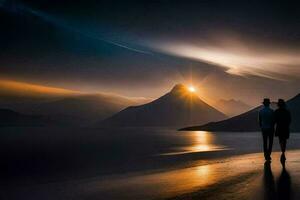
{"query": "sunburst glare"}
(192, 88)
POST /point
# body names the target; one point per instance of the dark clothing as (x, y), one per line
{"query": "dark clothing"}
(266, 123)
(268, 136)
(266, 118)
(282, 143)
(282, 121)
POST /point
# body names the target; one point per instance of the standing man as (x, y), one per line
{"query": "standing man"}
(283, 121)
(266, 123)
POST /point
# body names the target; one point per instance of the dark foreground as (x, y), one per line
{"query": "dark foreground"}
(239, 177)
(143, 164)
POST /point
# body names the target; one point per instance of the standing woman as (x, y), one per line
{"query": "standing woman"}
(282, 121)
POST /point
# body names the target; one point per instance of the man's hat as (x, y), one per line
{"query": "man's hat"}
(266, 101)
(281, 103)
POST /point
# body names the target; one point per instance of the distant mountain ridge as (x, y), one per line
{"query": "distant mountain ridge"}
(176, 108)
(66, 107)
(248, 121)
(72, 110)
(232, 107)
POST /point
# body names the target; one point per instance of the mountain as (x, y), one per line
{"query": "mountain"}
(249, 121)
(84, 109)
(64, 106)
(176, 108)
(232, 107)
(81, 109)
(12, 118)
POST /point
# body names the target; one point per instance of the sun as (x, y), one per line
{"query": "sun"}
(192, 89)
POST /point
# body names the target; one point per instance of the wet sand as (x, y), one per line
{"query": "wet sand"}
(237, 177)
(39, 163)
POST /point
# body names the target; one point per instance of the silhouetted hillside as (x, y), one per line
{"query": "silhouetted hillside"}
(176, 108)
(12, 118)
(249, 121)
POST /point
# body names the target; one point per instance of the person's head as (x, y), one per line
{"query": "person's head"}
(281, 103)
(266, 102)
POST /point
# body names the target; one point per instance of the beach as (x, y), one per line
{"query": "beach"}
(183, 165)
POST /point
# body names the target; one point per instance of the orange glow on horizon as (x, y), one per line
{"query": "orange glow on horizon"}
(22, 88)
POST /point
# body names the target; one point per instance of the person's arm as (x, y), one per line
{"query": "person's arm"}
(259, 119)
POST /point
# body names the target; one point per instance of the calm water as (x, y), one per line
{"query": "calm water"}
(44, 156)
(89, 152)
(131, 163)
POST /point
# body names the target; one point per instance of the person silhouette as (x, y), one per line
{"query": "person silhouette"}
(266, 123)
(282, 122)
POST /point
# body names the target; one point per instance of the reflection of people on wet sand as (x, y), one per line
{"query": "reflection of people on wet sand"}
(266, 123)
(269, 183)
(283, 184)
(282, 121)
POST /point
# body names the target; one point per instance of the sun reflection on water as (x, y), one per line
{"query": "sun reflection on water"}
(199, 141)
(204, 141)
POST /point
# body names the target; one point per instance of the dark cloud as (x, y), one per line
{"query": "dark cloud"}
(107, 45)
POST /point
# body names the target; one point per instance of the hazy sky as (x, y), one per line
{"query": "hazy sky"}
(230, 49)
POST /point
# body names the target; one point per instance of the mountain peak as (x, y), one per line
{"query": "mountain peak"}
(183, 91)
(178, 88)
(178, 107)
